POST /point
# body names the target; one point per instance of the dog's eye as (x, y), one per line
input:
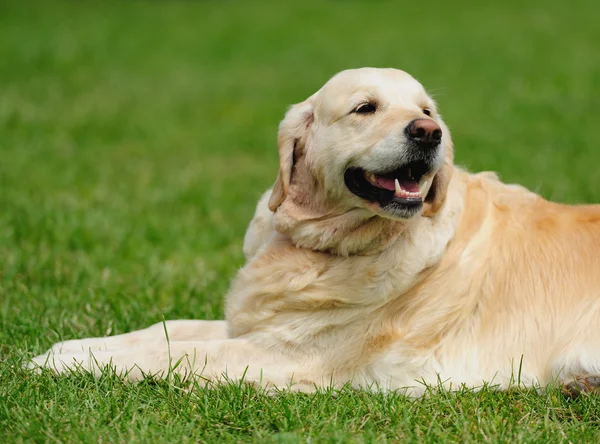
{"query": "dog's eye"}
(365, 108)
(427, 112)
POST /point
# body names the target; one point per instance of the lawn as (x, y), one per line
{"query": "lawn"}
(136, 137)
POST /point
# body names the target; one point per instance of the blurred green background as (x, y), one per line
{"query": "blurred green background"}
(136, 137)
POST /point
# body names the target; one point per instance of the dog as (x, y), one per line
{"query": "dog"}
(374, 261)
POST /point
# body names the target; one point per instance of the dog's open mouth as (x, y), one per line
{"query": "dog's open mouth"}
(401, 190)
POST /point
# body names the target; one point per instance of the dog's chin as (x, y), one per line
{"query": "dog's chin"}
(399, 210)
(396, 194)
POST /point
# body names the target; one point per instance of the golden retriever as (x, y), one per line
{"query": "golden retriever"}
(374, 261)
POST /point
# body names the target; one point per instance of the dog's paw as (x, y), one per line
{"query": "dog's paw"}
(66, 362)
(132, 364)
(580, 386)
(70, 355)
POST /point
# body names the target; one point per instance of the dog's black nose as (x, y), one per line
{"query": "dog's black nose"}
(424, 132)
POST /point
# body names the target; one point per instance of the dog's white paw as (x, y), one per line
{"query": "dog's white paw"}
(62, 362)
(131, 363)
(74, 354)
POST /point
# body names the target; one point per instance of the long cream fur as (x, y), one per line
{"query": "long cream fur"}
(488, 283)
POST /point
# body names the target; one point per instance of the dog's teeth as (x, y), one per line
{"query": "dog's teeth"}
(397, 185)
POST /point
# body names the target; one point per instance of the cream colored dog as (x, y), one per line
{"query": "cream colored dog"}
(374, 261)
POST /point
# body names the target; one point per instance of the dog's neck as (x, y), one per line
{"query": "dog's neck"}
(308, 218)
(355, 232)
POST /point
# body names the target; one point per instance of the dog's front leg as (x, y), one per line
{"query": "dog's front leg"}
(179, 330)
(212, 360)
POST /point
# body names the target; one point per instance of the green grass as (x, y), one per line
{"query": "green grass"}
(135, 139)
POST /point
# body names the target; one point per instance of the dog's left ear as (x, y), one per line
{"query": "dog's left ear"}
(293, 130)
(439, 187)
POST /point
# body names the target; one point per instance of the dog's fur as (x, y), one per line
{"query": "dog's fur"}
(487, 283)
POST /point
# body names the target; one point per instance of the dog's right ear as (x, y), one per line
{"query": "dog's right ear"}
(293, 130)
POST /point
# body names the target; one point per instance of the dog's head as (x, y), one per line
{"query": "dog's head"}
(369, 144)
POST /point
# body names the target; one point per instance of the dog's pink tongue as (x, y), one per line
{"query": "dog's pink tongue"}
(386, 183)
(407, 185)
